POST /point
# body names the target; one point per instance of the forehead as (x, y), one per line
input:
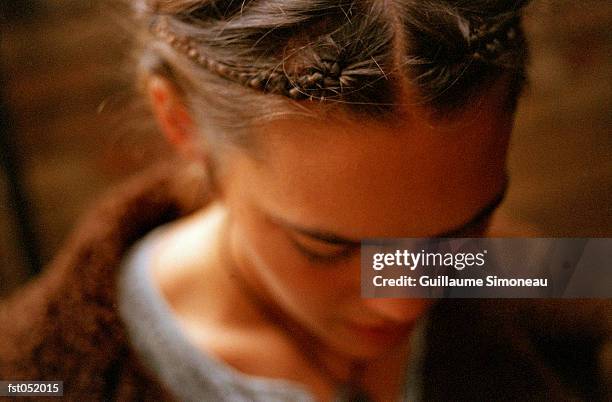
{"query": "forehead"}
(365, 179)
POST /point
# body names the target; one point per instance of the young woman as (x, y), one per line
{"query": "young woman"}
(308, 125)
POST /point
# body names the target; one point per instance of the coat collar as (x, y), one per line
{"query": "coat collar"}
(64, 324)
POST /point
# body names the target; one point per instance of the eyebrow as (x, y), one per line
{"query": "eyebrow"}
(477, 219)
(480, 217)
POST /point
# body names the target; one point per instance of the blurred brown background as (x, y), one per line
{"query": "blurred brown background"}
(72, 125)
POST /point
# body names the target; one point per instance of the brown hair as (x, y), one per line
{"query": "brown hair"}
(352, 54)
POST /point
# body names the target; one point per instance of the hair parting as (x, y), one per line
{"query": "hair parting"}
(238, 60)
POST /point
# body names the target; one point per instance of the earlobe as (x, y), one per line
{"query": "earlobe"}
(172, 115)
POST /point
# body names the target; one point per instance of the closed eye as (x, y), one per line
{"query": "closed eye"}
(320, 251)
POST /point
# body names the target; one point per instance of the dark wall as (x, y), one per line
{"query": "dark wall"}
(76, 124)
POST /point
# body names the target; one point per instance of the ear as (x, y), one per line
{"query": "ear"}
(173, 117)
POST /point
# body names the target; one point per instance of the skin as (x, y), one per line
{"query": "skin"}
(286, 223)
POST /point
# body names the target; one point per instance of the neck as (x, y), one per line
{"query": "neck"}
(261, 306)
(340, 370)
(218, 276)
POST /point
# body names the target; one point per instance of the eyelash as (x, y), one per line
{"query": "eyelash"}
(322, 259)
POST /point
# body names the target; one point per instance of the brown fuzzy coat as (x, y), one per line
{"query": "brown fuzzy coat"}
(64, 324)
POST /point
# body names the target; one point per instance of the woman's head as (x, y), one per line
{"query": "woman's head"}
(351, 120)
(357, 56)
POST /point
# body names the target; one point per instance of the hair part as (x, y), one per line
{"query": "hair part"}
(318, 57)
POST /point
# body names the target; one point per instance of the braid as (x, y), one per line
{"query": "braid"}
(324, 79)
(493, 41)
(354, 53)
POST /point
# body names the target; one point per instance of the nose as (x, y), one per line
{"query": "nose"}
(397, 311)
(391, 310)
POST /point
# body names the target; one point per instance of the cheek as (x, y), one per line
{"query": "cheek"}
(306, 290)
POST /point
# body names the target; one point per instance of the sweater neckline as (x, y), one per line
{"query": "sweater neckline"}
(154, 333)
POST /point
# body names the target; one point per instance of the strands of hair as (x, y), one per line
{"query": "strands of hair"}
(341, 52)
(325, 79)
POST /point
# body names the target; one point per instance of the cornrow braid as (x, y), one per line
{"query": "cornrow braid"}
(325, 79)
(456, 48)
(493, 41)
(358, 54)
